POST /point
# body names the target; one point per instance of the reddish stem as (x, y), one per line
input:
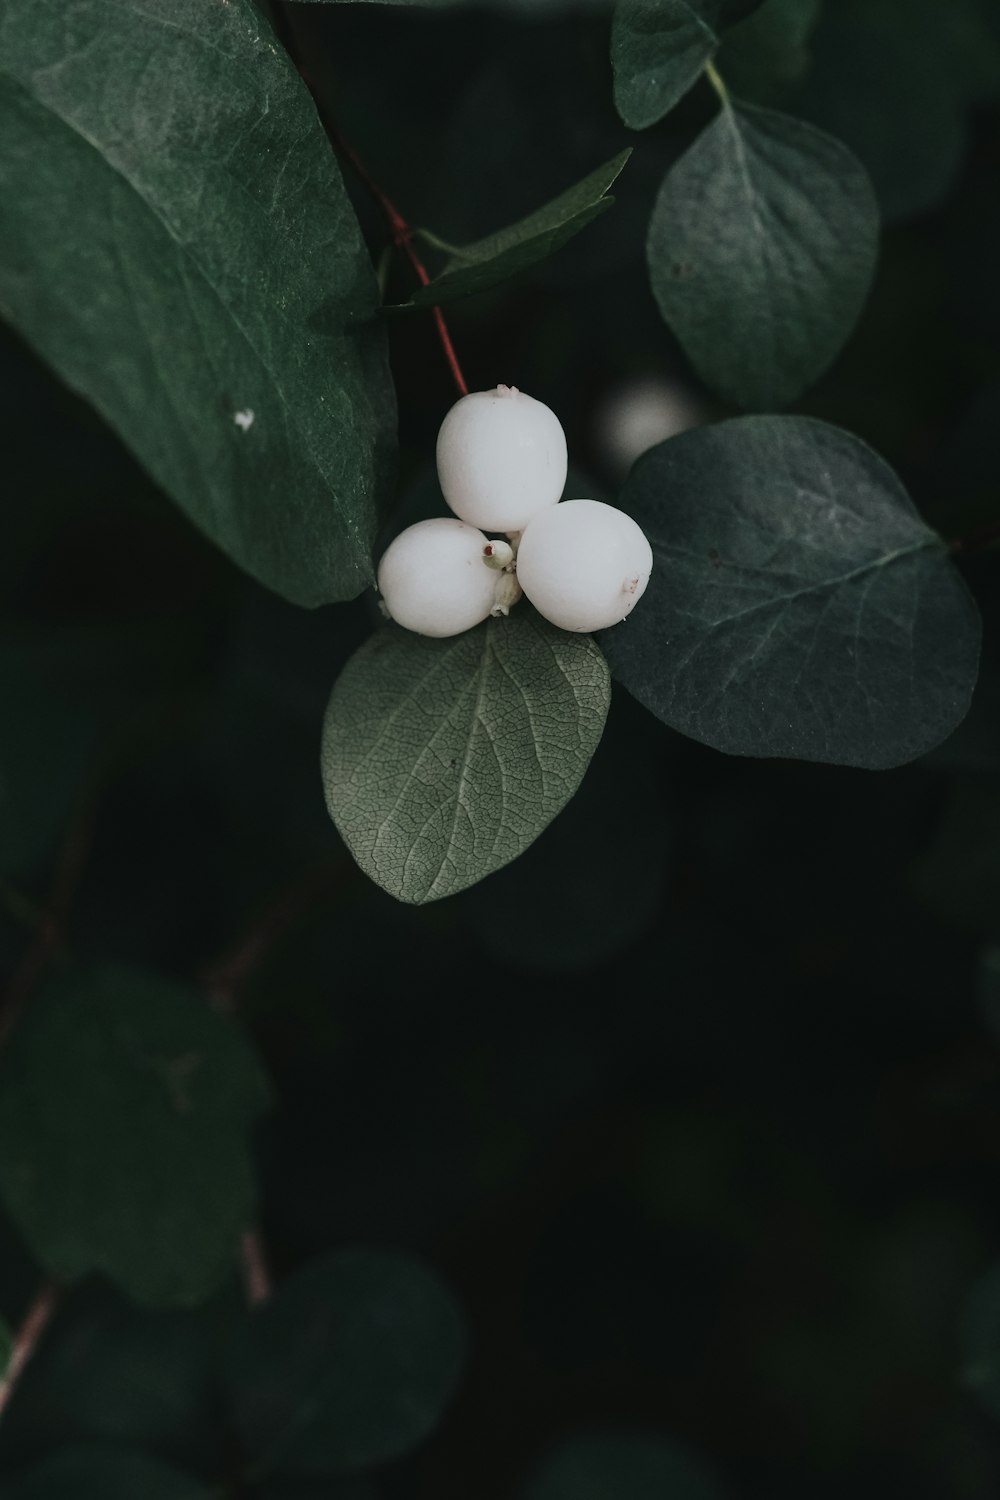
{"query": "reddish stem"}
(28, 1336)
(256, 1277)
(402, 236)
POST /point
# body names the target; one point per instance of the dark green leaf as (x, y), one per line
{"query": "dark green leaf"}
(125, 1104)
(474, 268)
(915, 67)
(100, 1473)
(614, 1466)
(6, 1347)
(658, 51)
(107, 1371)
(444, 759)
(761, 58)
(798, 604)
(980, 1341)
(350, 1364)
(177, 243)
(761, 250)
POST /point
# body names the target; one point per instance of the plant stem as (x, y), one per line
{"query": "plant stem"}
(715, 79)
(402, 232)
(226, 975)
(28, 1337)
(256, 1277)
(402, 236)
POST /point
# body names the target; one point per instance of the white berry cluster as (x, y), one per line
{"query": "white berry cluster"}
(501, 461)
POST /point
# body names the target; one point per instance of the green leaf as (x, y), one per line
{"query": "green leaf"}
(658, 51)
(612, 1466)
(176, 241)
(767, 53)
(107, 1371)
(103, 1473)
(443, 759)
(350, 1364)
(798, 604)
(476, 267)
(980, 1341)
(915, 68)
(6, 1347)
(125, 1104)
(761, 250)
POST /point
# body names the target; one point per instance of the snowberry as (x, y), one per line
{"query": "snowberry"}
(434, 578)
(583, 565)
(501, 458)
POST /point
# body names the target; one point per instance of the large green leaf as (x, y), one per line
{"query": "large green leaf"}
(613, 1466)
(761, 250)
(658, 51)
(104, 1473)
(444, 759)
(476, 267)
(176, 241)
(350, 1364)
(798, 605)
(125, 1104)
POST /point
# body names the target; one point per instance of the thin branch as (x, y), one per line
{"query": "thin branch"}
(29, 1335)
(402, 232)
(256, 1276)
(225, 976)
(402, 235)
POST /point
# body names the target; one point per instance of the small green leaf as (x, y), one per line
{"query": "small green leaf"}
(125, 1104)
(103, 1473)
(761, 250)
(444, 759)
(350, 1364)
(659, 49)
(798, 604)
(176, 241)
(476, 267)
(612, 1466)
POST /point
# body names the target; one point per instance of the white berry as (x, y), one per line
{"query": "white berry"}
(434, 578)
(501, 458)
(583, 565)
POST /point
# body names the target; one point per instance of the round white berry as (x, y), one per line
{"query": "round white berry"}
(583, 565)
(501, 458)
(434, 579)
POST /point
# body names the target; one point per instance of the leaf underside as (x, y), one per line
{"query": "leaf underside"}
(443, 759)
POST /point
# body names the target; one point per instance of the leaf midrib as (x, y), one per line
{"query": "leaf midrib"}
(888, 558)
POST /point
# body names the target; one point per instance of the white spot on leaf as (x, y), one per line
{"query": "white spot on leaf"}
(244, 419)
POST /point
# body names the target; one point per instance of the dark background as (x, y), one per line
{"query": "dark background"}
(697, 1105)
